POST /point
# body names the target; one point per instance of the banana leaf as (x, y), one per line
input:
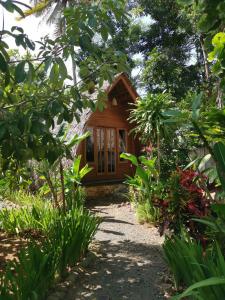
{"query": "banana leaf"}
(219, 152)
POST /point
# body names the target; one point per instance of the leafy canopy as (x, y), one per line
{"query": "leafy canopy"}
(34, 91)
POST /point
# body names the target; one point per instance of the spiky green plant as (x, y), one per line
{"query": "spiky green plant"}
(41, 263)
(190, 265)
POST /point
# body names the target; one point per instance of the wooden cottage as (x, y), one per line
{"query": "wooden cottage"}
(110, 134)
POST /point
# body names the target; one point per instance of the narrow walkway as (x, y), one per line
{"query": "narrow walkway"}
(126, 262)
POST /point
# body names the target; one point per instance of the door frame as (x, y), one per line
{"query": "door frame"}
(106, 172)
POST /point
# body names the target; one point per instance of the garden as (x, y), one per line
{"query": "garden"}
(174, 53)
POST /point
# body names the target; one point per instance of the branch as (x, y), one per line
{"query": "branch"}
(24, 4)
(31, 59)
(58, 90)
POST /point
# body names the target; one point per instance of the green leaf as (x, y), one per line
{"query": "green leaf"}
(218, 39)
(92, 21)
(219, 152)
(196, 106)
(8, 5)
(7, 78)
(204, 160)
(3, 64)
(30, 44)
(219, 209)
(85, 42)
(201, 284)
(84, 71)
(63, 130)
(77, 139)
(54, 74)
(142, 174)
(100, 106)
(76, 165)
(104, 33)
(62, 68)
(2, 131)
(57, 107)
(206, 222)
(84, 171)
(31, 72)
(19, 10)
(20, 29)
(132, 158)
(193, 162)
(48, 63)
(20, 74)
(19, 40)
(172, 113)
(185, 2)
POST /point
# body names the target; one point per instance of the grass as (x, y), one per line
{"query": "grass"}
(190, 265)
(23, 198)
(36, 217)
(61, 240)
(64, 241)
(146, 212)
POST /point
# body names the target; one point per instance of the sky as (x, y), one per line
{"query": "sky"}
(31, 26)
(36, 29)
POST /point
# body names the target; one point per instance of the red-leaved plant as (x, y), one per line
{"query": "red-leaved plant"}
(185, 199)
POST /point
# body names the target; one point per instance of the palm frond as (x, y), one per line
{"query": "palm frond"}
(56, 13)
(38, 8)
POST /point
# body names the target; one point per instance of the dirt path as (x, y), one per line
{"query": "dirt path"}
(126, 262)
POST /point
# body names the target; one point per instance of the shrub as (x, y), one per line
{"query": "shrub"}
(28, 218)
(185, 200)
(71, 234)
(75, 198)
(147, 212)
(144, 187)
(31, 276)
(189, 264)
(214, 225)
(40, 263)
(23, 198)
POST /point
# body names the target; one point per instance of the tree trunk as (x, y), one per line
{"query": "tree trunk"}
(53, 192)
(158, 151)
(74, 68)
(204, 53)
(219, 100)
(62, 185)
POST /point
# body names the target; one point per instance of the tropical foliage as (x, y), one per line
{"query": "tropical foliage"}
(65, 239)
(144, 187)
(181, 63)
(187, 213)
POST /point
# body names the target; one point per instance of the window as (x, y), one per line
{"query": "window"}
(101, 149)
(111, 149)
(122, 142)
(90, 157)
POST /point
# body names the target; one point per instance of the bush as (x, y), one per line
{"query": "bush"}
(31, 276)
(185, 199)
(147, 212)
(29, 218)
(40, 263)
(64, 238)
(70, 236)
(23, 198)
(144, 187)
(189, 264)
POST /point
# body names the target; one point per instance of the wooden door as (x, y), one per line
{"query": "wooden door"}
(106, 151)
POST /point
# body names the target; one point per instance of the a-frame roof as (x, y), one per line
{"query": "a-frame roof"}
(127, 83)
(79, 127)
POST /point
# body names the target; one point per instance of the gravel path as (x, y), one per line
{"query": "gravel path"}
(125, 263)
